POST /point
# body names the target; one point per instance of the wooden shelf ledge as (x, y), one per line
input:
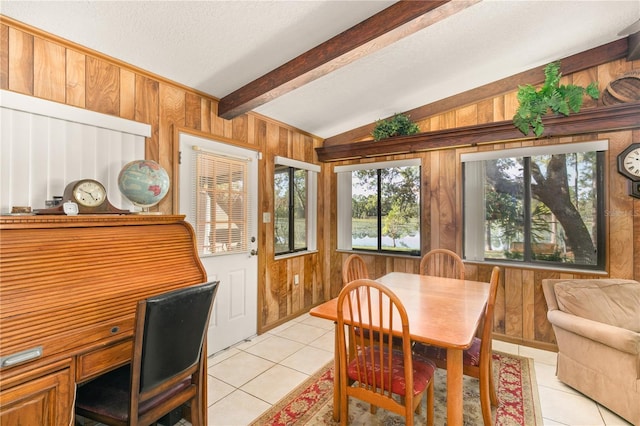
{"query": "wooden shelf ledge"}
(593, 120)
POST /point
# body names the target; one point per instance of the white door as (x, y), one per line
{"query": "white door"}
(234, 315)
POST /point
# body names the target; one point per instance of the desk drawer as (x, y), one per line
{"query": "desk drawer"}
(94, 363)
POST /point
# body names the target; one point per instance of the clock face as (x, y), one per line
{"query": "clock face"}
(631, 162)
(89, 193)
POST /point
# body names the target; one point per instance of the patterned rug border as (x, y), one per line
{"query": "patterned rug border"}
(326, 369)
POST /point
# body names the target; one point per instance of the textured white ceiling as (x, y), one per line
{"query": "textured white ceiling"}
(219, 46)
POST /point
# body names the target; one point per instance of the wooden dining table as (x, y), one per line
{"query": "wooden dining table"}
(443, 312)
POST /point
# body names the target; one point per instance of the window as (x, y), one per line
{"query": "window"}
(294, 193)
(541, 205)
(221, 208)
(379, 207)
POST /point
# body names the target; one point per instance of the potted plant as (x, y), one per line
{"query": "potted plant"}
(398, 125)
(563, 99)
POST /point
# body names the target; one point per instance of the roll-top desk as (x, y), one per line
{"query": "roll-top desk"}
(68, 291)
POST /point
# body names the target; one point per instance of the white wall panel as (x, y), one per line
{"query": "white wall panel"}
(44, 149)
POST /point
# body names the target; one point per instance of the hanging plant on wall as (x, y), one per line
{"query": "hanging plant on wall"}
(552, 96)
(398, 125)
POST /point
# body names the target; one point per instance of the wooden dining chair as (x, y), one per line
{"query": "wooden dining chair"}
(167, 366)
(354, 268)
(378, 370)
(477, 360)
(442, 263)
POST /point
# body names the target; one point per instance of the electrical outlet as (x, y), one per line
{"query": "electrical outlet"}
(296, 279)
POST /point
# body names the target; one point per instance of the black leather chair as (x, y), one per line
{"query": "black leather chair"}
(167, 367)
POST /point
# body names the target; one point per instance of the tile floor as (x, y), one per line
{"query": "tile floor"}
(246, 379)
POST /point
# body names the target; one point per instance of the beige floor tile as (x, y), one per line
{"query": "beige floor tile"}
(221, 356)
(275, 348)
(539, 355)
(318, 322)
(217, 389)
(240, 368)
(274, 384)
(546, 376)
(568, 408)
(506, 347)
(308, 360)
(326, 342)
(237, 409)
(281, 327)
(302, 318)
(302, 333)
(252, 341)
(548, 422)
(612, 419)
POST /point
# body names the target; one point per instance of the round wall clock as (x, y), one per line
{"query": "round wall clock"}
(629, 167)
(629, 162)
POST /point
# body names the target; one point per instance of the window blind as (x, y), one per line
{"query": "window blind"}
(221, 203)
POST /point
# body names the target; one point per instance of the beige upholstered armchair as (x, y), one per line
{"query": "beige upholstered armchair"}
(597, 328)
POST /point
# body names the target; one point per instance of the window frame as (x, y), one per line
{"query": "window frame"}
(312, 171)
(344, 205)
(473, 190)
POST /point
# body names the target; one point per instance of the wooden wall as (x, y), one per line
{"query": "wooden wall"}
(521, 309)
(39, 64)
(42, 65)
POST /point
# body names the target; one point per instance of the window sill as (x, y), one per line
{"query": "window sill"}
(296, 254)
(375, 253)
(552, 268)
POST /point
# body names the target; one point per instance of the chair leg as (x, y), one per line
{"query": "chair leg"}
(344, 404)
(430, 398)
(194, 410)
(485, 399)
(408, 415)
(492, 387)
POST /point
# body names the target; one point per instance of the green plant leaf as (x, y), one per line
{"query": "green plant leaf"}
(551, 96)
(592, 90)
(398, 125)
(538, 128)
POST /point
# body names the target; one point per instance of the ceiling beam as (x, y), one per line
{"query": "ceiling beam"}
(578, 62)
(380, 30)
(634, 47)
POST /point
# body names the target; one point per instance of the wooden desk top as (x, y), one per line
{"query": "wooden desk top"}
(442, 311)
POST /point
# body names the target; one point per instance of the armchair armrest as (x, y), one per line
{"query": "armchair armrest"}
(616, 337)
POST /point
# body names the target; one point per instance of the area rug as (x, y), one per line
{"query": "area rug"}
(311, 403)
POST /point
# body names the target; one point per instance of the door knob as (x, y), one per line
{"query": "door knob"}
(253, 252)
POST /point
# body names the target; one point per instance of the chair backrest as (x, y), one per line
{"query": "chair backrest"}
(169, 339)
(366, 311)
(354, 268)
(442, 263)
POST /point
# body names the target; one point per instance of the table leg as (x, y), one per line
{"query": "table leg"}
(454, 387)
(336, 378)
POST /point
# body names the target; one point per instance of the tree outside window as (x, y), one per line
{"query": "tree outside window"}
(385, 208)
(290, 209)
(544, 208)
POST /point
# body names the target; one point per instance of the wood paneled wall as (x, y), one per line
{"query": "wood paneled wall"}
(40, 64)
(521, 309)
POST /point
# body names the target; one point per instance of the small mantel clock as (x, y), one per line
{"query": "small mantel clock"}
(90, 196)
(629, 167)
